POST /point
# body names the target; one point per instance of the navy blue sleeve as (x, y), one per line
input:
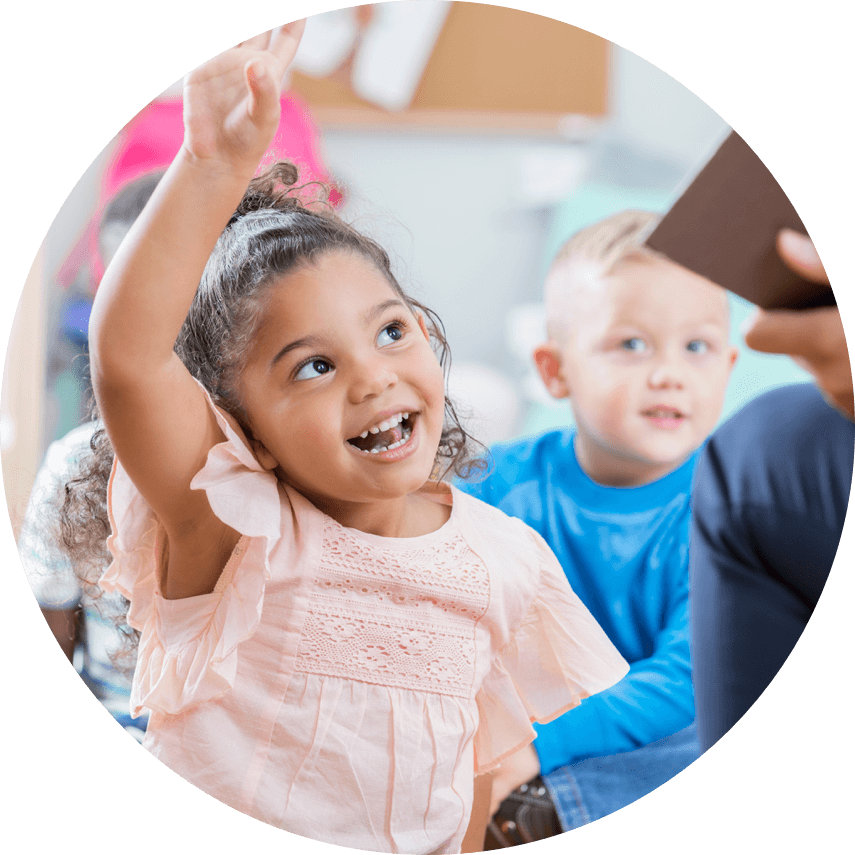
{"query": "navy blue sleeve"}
(771, 492)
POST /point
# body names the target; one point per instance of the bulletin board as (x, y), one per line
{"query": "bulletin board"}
(491, 68)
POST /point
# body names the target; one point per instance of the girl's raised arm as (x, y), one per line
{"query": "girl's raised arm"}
(155, 414)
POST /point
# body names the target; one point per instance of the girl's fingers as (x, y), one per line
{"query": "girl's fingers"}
(280, 46)
(259, 42)
(263, 91)
(285, 40)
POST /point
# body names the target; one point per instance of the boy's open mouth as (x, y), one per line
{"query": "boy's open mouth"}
(386, 435)
(663, 413)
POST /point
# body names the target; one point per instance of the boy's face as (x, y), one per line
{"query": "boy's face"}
(644, 358)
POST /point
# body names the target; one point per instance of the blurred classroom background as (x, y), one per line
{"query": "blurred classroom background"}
(471, 140)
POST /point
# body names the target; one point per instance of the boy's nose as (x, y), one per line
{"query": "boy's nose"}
(666, 374)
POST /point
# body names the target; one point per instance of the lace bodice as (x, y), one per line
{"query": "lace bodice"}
(395, 617)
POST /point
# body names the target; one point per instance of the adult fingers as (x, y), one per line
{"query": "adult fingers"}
(810, 333)
(800, 254)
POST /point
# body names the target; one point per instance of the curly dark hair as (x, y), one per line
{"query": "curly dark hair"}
(276, 231)
(278, 228)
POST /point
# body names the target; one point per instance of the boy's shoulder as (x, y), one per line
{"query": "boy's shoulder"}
(530, 449)
(520, 467)
(529, 458)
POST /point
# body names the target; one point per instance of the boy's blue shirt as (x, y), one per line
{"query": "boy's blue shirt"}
(625, 553)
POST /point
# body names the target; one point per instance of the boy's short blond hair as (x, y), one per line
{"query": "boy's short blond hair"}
(598, 248)
(609, 240)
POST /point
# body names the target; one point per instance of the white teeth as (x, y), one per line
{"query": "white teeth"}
(402, 441)
(386, 425)
(363, 434)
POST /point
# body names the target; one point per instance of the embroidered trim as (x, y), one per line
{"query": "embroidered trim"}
(393, 617)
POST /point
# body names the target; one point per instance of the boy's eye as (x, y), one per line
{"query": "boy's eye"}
(697, 345)
(636, 345)
(313, 368)
(390, 334)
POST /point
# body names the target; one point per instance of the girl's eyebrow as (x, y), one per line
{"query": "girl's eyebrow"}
(315, 341)
(311, 341)
(375, 312)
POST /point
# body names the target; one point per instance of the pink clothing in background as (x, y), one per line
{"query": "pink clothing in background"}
(343, 686)
(150, 142)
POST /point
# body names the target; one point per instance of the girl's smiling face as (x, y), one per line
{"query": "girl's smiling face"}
(343, 393)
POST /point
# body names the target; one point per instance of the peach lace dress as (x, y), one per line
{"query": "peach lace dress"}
(343, 686)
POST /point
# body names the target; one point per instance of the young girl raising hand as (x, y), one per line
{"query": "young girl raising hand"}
(332, 639)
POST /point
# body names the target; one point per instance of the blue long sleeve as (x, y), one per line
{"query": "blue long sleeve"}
(625, 553)
(653, 701)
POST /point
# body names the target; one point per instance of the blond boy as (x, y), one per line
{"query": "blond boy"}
(640, 348)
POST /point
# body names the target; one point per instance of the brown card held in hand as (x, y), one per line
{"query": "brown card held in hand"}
(724, 226)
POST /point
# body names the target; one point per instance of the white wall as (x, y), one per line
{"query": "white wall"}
(456, 213)
(657, 115)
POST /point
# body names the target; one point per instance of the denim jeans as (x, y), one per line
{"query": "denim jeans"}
(595, 787)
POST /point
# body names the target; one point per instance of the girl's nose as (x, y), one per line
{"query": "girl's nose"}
(371, 379)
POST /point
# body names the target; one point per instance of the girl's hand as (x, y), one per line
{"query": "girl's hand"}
(231, 103)
(814, 338)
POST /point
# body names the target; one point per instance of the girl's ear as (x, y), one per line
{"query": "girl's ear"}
(547, 358)
(422, 325)
(262, 455)
(258, 448)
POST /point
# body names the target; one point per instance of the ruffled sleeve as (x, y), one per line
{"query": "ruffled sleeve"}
(557, 657)
(188, 648)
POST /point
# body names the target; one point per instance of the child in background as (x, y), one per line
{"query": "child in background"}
(86, 624)
(640, 347)
(332, 640)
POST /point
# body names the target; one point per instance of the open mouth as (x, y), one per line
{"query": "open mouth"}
(667, 414)
(386, 435)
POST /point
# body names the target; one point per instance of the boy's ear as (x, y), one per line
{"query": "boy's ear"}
(547, 358)
(733, 355)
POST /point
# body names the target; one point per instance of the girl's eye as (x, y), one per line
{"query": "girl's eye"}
(390, 334)
(697, 345)
(635, 345)
(313, 368)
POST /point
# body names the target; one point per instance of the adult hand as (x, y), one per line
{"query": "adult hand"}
(516, 770)
(814, 338)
